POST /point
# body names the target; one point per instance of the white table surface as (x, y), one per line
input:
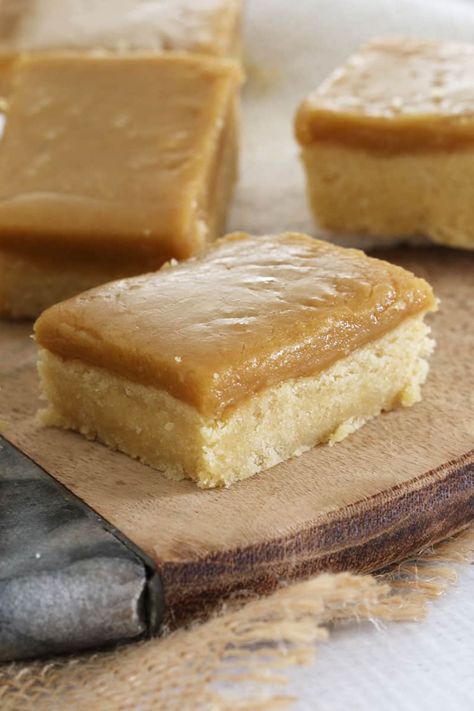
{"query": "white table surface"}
(416, 666)
(293, 44)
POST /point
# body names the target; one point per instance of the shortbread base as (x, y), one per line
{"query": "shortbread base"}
(30, 284)
(392, 197)
(274, 425)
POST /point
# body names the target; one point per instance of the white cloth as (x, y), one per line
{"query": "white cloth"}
(417, 666)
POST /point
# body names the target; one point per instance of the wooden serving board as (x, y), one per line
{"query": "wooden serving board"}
(403, 482)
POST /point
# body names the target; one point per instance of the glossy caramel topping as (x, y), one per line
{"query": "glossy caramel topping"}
(6, 64)
(112, 154)
(208, 26)
(250, 313)
(395, 94)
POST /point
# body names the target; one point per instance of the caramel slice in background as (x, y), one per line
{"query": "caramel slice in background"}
(388, 143)
(109, 166)
(283, 342)
(75, 215)
(203, 26)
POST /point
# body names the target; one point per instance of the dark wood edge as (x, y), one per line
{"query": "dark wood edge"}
(361, 537)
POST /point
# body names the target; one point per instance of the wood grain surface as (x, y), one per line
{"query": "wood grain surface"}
(402, 482)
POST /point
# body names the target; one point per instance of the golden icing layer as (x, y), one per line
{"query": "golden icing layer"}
(6, 64)
(112, 155)
(395, 95)
(248, 314)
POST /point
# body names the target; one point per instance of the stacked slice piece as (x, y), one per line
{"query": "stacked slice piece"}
(113, 162)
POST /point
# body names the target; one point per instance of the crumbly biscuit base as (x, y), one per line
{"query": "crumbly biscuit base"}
(274, 425)
(30, 284)
(392, 196)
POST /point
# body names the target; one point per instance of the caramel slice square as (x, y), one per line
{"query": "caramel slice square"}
(238, 359)
(204, 26)
(388, 143)
(109, 166)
